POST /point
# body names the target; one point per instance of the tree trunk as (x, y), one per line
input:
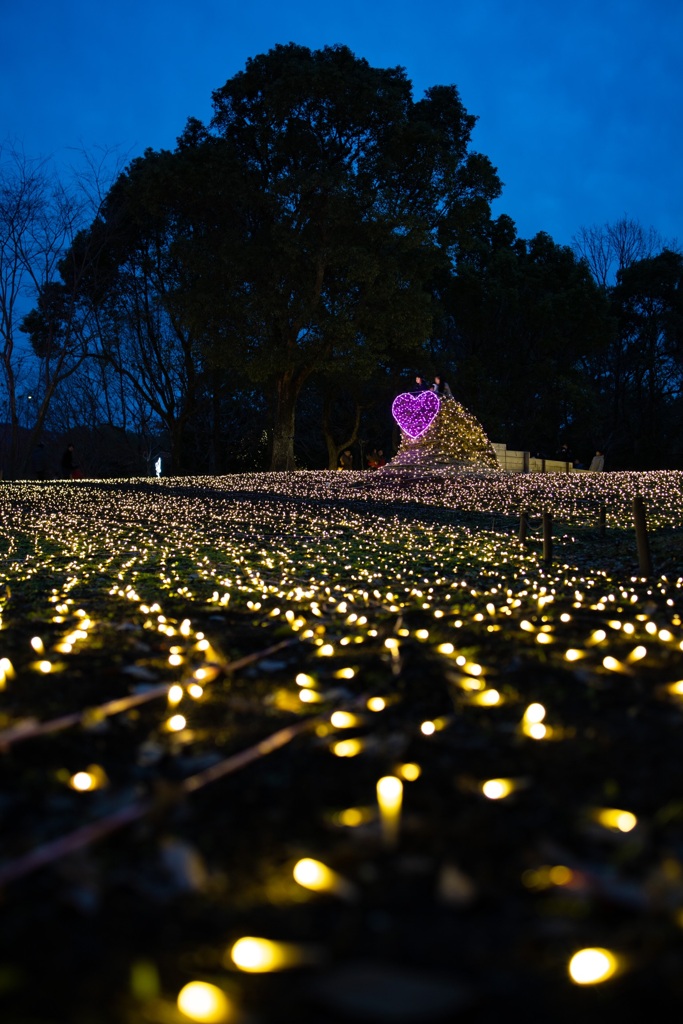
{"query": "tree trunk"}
(282, 453)
(334, 450)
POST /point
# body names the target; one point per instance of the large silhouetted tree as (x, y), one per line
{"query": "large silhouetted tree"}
(340, 193)
(296, 234)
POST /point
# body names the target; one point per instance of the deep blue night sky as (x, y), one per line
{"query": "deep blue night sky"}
(579, 108)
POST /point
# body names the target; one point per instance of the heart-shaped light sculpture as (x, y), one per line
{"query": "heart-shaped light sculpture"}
(415, 413)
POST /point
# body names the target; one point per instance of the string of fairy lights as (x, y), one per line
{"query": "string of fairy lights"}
(354, 571)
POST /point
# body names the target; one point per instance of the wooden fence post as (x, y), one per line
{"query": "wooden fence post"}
(523, 525)
(547, 536)
(642, 542)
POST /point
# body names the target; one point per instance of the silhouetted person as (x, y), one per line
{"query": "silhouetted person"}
(441, 388)
(346, 460)
(69, 467)
(597, 462)
(40, 466)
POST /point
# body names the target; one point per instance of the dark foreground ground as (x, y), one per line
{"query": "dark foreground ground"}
(285, 611)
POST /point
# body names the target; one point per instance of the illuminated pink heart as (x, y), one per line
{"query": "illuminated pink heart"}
(415, 413)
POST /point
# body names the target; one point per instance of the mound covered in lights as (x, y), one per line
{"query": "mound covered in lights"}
(444, 439)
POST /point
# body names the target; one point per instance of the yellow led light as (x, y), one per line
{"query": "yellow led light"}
(376, 704)
(82, 781)
(345, 673)
(347, 748)
(175, 694)
(204, 1003)
(310, 697)
(352, 817)
(612, 665)
(316, 876)
(487, 698)
(260, 956)
(390, 799)
(343, 719)
(534, 713)
(560, 875)
(592, 966)
(616, 820)
(497, 789)
(535, 730)
(409, 771)
(176, 723)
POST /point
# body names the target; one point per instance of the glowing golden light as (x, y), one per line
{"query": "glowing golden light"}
(389, 800)
(592, 966)
(82, 781)
(376, 704)
(176, 723)
(343, 720)
(310, 697)
(637, 654)
(409, 771)
(94, 777)
(205, 1003)
(352, 817)
(347, 748)
(487, 698)
(612, 664)
(560, 875)
(616, 820)
(175, 694)
(316, 876)
(497, 789)
(260, 956)
(534, 713)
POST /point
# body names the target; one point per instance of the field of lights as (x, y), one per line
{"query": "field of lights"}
(335, 747)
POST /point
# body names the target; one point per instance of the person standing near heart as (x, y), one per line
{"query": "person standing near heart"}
(438, 434)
